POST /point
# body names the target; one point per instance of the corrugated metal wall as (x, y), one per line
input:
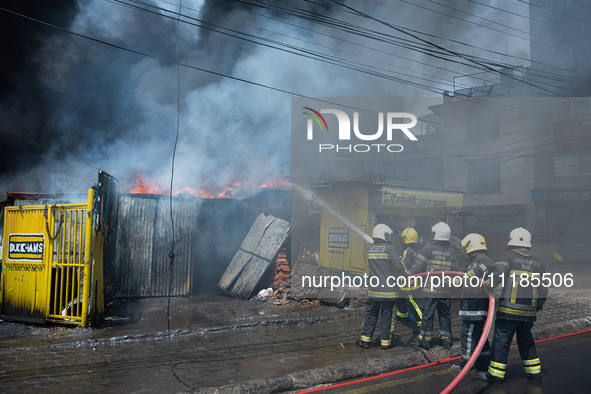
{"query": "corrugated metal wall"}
(135, 237)
(185, 221)
(144, 241)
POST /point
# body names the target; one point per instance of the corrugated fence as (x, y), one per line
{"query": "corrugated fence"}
(144, 243)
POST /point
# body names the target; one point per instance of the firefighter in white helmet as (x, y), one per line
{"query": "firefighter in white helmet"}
(474, 302)
(439, 255)
(383, 261)
(518, 305)
(407, 302)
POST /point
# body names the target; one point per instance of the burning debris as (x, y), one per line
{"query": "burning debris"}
(232, 188)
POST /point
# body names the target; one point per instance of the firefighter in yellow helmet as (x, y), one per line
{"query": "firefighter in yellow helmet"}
(518, 305)
(407, 302)
(383, 261)
(474, 302)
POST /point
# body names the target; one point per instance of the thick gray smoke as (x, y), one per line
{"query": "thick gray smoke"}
(70, 105)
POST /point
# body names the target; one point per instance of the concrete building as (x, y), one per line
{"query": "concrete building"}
(519, 141)
(488, 145)
(561, 68)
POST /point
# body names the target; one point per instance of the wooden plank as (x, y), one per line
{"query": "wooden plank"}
(251, 275)
(236, 266)
(241, 258)
(262, 256)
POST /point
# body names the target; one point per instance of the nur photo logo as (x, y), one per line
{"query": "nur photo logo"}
(387, 124)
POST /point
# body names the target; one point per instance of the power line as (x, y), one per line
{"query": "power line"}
(323, 57)
(314, 55)
(463, 56)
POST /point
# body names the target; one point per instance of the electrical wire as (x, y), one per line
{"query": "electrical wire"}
(455, 53)
(171, 254)
(308, 53)
(494, 64)
(351, 29)
(151, 56)
(369, 69)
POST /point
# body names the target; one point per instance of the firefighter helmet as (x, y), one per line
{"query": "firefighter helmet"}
(519, 237)
(383, 232)
(410, 236)
(440, 232)
(473, 242)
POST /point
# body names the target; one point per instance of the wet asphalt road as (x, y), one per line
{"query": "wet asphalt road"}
(201, 359)
(565, 369)
(219, 340)
(242, 345)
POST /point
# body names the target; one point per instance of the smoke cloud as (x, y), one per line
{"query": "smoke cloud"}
(70, 105)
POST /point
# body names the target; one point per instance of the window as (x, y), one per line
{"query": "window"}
(484, 176)
(573, 163)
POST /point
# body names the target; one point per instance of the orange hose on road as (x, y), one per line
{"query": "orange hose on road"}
(435, 363)
(456, 381)
(483, 337)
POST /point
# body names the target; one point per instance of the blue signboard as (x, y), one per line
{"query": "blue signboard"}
(539, 195)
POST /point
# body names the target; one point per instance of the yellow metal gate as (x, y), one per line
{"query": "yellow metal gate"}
(47, 262)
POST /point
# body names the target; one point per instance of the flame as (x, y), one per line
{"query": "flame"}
(144, 185)
(276, 183)
(224, 192)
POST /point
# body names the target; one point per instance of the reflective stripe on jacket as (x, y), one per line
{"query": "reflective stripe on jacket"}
(474, 302)
(383, 262)
(519, 299)
(437, 256)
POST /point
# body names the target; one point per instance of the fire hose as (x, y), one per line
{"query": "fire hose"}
(471, 360)
(483, 337)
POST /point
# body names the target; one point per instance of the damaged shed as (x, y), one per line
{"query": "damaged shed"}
(208, 233)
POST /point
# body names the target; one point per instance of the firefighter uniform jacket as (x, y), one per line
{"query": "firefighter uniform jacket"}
(520, 299)
(474, 302)
(409, 257)
(437, 256)
(384, 262)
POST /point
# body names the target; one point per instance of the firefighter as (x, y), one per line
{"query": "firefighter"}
(474, 302)
(407, 302)
(384, 262)
(439, 255)
(518, 305)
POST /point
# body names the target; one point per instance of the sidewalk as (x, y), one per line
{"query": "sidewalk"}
(222, 344)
